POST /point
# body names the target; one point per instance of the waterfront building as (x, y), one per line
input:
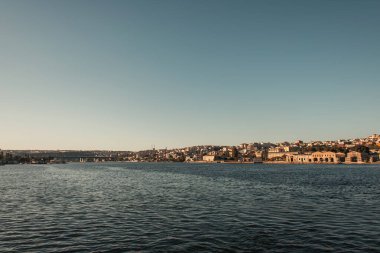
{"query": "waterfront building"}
(189, 158)
(233, 153)
(209, 158)
(279, 155)
(316, 157)
(298, 158)
(357, 157)
(374, 157)
(262, 154)
(327, 157)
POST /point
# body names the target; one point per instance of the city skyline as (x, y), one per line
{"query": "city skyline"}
(357, 150)
(126, 75)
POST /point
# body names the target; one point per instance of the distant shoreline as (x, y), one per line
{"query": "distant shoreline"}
(202, 162)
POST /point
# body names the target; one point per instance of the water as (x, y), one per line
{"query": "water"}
(189, 207)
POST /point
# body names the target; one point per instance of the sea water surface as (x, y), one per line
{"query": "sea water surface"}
(175, 207)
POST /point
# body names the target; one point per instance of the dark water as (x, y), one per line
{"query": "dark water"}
(189, 207)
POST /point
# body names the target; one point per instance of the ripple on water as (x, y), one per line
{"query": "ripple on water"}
(189, 207)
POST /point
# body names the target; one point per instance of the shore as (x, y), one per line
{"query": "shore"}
(279, 162)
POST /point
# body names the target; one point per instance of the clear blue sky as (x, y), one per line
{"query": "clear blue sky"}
(126, 75)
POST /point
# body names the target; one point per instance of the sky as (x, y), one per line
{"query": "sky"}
(127, 75)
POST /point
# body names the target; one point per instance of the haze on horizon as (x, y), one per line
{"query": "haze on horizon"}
(126, 75)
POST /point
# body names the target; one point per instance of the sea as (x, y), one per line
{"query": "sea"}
(182, 207)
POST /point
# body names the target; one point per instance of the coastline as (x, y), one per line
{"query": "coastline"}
(202, 162)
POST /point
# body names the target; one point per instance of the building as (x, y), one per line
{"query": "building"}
(298, 158)
(316, 157)
(209, 158)
(262, 154)
(233, 153)
(328, 157)
(279, 155)
(374, 157)
(357, 157)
